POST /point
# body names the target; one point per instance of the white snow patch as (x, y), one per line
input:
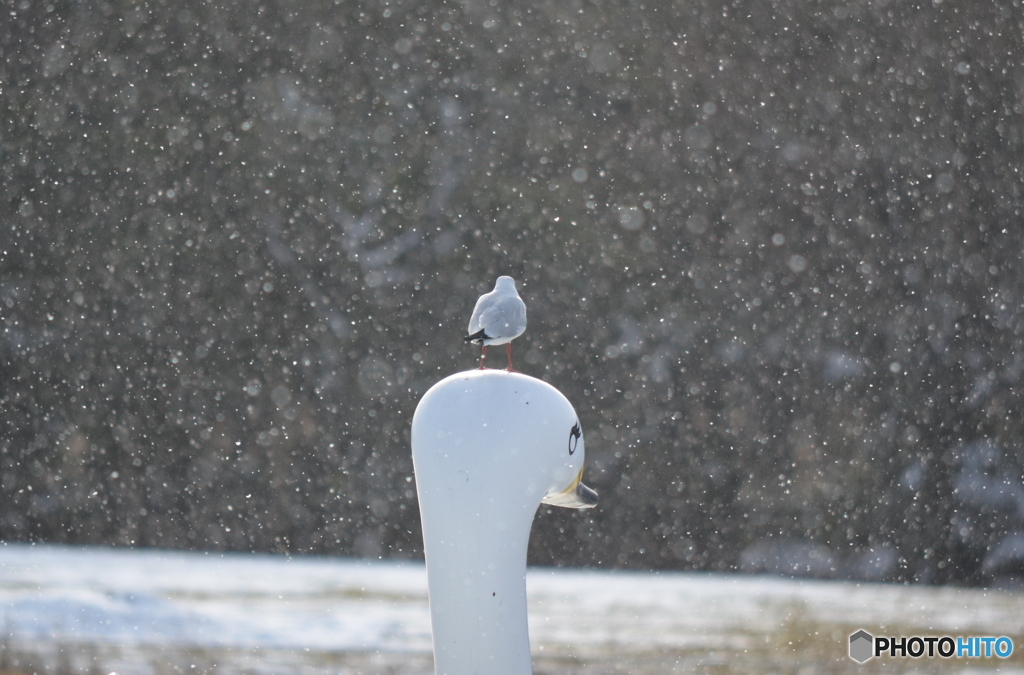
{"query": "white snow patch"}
(255, 612)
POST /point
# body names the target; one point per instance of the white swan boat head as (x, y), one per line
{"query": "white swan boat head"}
(488, 448)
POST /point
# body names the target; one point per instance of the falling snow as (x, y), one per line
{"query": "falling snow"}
(771, 252)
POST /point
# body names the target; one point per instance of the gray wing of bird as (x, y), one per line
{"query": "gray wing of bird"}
(503, 317)
(482, 303)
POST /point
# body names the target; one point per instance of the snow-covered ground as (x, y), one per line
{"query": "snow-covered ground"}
(146, 611)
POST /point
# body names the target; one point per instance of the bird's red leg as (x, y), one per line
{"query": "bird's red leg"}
(483, 353)
(508, 351)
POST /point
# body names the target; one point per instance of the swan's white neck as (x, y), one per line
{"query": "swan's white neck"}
(488, 446)
(476, 577)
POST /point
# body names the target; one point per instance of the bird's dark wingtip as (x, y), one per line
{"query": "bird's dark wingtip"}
(478, 336)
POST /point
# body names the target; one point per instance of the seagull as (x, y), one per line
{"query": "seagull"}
(498, 318)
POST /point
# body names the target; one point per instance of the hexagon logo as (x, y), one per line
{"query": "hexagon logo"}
(861, 646)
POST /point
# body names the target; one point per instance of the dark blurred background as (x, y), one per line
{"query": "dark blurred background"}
(771, 252)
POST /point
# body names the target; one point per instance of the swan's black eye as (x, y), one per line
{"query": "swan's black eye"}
(574, 437)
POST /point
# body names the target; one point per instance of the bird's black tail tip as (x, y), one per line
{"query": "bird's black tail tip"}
(478, 336)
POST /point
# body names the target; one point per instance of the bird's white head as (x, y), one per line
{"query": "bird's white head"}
(488, 448)
(505, 284)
